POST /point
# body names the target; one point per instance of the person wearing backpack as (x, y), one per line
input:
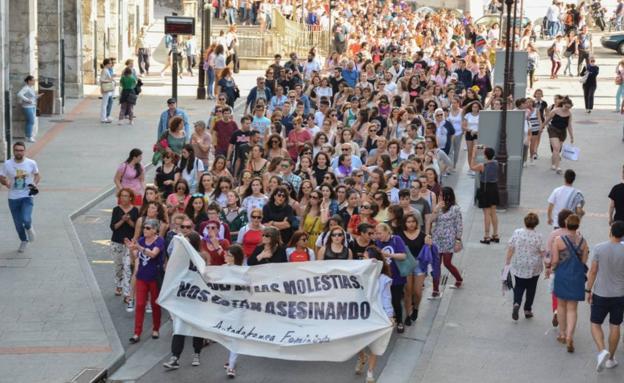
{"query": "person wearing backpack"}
(565, 197)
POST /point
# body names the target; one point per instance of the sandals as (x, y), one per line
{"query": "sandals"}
(495, 238)
(485, 240)
(118, 291)
(561, 339)
(570, 345)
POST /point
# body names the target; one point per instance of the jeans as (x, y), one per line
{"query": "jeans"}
(230, 14)
(143, 288)
(242, 15)
(568, 67)
(21, 211)
(105, 111)
(618, 96)
(525, 284)
(177, 345)
(210, 73)
(588, 95)
(552, 28)
(30, 114)
(619, 20)
(144, 61)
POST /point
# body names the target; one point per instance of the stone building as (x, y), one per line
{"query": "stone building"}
(61, 43)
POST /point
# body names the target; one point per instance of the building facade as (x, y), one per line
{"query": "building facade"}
(61, 43)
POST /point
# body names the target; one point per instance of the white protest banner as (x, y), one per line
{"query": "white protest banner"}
(311, 311)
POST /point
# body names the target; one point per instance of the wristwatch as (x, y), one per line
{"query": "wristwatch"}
(588, 290)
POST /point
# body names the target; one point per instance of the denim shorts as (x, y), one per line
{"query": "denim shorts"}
(418, 270)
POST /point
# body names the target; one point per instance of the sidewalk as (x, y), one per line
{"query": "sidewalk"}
(473, 338)
(54, 321)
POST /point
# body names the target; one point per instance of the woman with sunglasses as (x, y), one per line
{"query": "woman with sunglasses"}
(393, 250)
(559, 122)
(232, 214)
(298, 249)
(270, 249)
(152, 210)
(148, 253)
(196, 210)
(274, 147)
(167, 175)
(181, 195)
(123, 220)
(278, 213)
(314, 218)
(250, 235)
(335, 246)
(365, 214)
(212, 245)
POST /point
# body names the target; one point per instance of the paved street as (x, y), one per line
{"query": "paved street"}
(468, 336)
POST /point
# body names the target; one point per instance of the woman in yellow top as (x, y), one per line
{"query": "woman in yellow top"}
(314, 219)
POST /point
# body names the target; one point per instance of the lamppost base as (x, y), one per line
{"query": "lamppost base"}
(201, 93)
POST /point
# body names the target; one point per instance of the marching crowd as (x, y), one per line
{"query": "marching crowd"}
(349, 158)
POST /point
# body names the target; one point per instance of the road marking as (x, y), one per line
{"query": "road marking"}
(103, 242)
(102, 262)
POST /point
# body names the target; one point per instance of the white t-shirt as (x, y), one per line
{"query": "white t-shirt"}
(559, 197)
(20, 175)
(473, 122)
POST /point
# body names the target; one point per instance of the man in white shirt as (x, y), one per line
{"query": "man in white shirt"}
(21, 176)
(560, 197)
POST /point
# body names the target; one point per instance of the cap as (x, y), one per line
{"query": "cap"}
(171, 101)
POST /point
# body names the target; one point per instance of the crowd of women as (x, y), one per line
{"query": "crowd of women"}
(346, 159)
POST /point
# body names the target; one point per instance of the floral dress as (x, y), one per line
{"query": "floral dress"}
(447, 227)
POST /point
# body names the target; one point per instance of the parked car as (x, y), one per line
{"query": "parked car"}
(614, 41)
(489, 20)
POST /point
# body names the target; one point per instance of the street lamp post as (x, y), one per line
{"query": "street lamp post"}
(201, 86)
(501, 156)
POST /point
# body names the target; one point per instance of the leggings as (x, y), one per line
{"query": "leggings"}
(397, 300)
(177, 345)
(588, 95)
(447, 259)
(525, 284)
(143, 289)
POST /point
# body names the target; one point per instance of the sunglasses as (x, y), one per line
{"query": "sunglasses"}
(266, 235)
(147, 228)
(337, 235)
(196, 195)
(282, 195)
(366, 206)
(285, 165)
(314, 197)
(256, 217)
(275, 142)
(345, 149)
(186, 226)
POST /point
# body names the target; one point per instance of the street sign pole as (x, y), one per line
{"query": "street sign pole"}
(174, 67)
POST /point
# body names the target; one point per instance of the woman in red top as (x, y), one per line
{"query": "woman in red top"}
(250, 235)
(366, 213)
(214, 247)
(297, 250)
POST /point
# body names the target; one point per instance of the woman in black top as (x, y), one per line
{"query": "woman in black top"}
(335, 246)
(167, 175)
(589, 87)
(359, 243)
(560, 120)
(320, 166)
(122, 224)
(414, 239)
(278, 213)
(270, 249)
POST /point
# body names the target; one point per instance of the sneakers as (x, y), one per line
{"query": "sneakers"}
(148, 308)
(30, 233)
(514, 313)
(30, 139)
(370, 378)
(22, 247)
(130, 306)
(172, 364)
(360, 364)
(435, 296)
(601, 359)
(611, 363)
(195, 361)
(231, 373)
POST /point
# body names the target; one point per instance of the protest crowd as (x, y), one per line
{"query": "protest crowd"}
(347, 158)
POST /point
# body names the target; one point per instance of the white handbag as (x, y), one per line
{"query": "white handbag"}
(570, 152)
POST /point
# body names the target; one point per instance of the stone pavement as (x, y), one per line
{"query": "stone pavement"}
(53, 315)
